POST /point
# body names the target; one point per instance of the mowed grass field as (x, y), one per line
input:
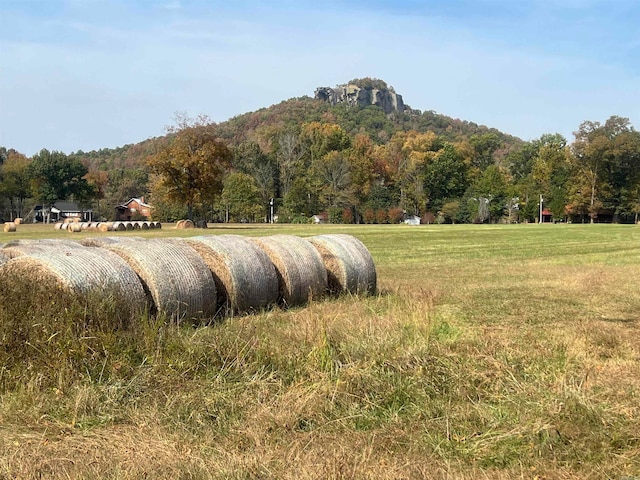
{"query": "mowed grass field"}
(496, 352)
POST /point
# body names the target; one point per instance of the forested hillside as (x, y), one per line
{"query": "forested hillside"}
(305, 157)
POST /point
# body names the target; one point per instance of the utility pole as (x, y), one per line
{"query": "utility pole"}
(271, 211)
(541, 200)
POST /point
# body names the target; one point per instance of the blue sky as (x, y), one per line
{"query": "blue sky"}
(87, 74)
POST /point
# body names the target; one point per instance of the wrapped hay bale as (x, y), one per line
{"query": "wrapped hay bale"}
(144, 225)
(60, 226)
(151, 225)
(301, 273)
(80, 272)
(103, 241)
(19, 248)
(74, 227)
(9, 227)
(349, 264)
(129, 226)
(84, 226)
(157, 224)
(244, 275)
(183, 224)
(118, 227)
(177, 278)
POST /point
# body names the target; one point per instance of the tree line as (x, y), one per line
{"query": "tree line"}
(347, 174)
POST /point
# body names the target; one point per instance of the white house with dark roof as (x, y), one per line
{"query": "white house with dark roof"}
(61, 210)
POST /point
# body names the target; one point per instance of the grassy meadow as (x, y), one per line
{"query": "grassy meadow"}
(495, 352)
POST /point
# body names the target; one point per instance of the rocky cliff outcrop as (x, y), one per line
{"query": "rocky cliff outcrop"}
(355, 96)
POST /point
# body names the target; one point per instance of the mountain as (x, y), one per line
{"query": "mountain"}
(360, 106)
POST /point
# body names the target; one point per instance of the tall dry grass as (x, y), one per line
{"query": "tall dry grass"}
(489, 353)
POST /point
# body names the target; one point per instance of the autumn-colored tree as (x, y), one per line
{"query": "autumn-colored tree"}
(322, 138)
(192, 166)
(15, 185)
(361, 166)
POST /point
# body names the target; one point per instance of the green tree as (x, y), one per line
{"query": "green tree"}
(55, 176)
(250, 159)
(192, 166)
(491, 192)
(604, 167)
(241, 198)
(445, 176)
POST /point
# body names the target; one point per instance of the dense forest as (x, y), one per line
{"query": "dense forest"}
(305, 157)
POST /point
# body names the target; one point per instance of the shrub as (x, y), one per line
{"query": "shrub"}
(347, 216)
(369, 216)
(428, 218)
(395, 215)
(381, 216)
(334, 215)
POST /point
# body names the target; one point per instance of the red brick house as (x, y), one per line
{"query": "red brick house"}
(132, 209)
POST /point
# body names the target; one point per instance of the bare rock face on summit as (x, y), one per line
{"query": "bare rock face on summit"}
(354, 96)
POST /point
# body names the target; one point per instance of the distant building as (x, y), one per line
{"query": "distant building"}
(412, 220)
(132, 208)
(61, 210)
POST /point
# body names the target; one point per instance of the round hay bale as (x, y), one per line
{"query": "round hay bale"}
(179, 282)
(301, 273)
(349, 264)
(19, 248)
(144, 225)
(183, 224)
(17, 221)
(94, 226)
(84, 226)
(60, 226)
(129, 226)
(9, 227)
(103, 241)
(80, 271)
(74, 227)
(136, 225)
(118, 227)
(157, 224)
(244, 275)
(103, 227)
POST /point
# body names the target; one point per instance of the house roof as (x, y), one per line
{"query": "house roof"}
(64, 207)
(139, 201)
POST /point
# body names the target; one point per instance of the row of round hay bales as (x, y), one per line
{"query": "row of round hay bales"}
(197, 277)
(122, 226)
(106, 226)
